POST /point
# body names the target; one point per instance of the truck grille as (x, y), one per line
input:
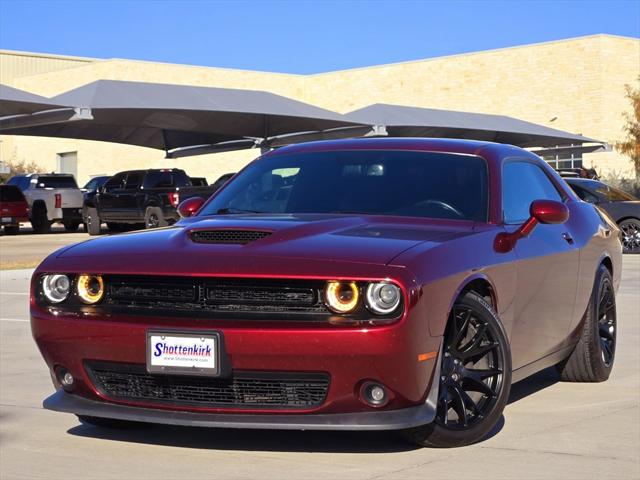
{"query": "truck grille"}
(240, 237)
(244, 390)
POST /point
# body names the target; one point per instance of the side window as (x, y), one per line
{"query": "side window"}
(522, 183)
(115, 183)
(133, 181)
(159, 179)
(584, 195)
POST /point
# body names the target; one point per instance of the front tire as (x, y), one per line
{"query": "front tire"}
(592, 358)
(11, 229)
(474, 377)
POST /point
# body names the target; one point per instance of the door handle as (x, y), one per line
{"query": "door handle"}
(568, 238)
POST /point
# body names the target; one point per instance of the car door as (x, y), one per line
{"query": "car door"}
(547, 266)
(109, 197)
(128, 199)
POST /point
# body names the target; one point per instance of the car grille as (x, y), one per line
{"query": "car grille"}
(244, 390)
(214, 297)
(240, 237)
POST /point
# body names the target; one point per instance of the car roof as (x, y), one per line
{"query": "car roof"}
(586, 183)
(470, 147)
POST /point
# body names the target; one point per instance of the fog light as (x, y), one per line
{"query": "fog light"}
(374, 394)
(66, 379)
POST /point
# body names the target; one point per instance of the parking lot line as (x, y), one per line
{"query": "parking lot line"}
(22, 320)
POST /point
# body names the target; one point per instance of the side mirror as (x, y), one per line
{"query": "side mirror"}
(190, 206)
(541, 211)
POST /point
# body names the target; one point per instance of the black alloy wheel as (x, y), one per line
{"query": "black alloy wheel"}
(607, 322)
(474, 378)
(471, 374)
(630, 229)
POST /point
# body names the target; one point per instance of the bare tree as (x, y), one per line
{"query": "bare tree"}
(630, 146)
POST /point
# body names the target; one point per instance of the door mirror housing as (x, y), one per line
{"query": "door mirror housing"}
(548, 212)
(189, 207)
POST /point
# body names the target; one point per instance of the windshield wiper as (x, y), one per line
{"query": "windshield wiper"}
(229, 210)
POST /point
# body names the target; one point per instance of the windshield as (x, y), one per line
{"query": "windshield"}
(615, 195)
(403, 183)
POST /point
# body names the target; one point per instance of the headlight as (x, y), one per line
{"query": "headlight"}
(90, 288)
(383, 298)
(342, 297)
(56, 287)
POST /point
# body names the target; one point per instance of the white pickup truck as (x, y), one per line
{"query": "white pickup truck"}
(52, 197)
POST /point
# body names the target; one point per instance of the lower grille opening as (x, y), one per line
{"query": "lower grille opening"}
(243, 390)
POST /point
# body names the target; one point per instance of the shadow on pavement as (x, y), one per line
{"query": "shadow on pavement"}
(252, 440)
(533, 384)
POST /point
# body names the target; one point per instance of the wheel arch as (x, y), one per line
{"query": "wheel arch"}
(606, 261)
(480, 284)
(628, 217)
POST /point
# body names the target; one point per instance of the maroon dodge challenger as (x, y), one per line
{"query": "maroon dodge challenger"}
(370, 284)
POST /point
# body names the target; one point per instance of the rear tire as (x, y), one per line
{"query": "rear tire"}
(593, 356)
(474, 377)
(11, 229)
(153, 218)
(39, 220)
(92, 222)
(111, 423)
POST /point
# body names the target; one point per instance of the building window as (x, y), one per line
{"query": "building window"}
(565, 161)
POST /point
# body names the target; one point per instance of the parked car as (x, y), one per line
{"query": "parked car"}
(219, 183)
(95, 183)
(14, 209)
(52, 197)
(623, 208)
(139, 197)
(369, 284)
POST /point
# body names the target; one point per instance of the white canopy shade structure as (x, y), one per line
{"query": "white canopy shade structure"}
(404, 121)
(186, 120)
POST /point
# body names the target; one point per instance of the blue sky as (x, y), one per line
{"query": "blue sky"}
(300, 36)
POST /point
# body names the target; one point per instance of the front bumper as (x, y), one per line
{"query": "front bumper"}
(374, 420)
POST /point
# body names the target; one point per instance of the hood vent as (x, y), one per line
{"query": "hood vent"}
(227, 236)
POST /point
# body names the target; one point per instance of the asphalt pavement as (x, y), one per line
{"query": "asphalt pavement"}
(549, 429)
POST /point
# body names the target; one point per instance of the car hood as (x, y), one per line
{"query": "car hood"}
(332, 238)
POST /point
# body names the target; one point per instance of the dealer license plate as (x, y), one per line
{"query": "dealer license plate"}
(7, 219)
(183, 353)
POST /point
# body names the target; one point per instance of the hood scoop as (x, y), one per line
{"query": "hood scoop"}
(227, 236)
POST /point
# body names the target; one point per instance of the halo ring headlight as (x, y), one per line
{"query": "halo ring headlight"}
(90, 288)
(56, 287)
(342, 297)
(383, 297)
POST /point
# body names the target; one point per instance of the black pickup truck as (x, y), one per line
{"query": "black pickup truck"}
(137, 197)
